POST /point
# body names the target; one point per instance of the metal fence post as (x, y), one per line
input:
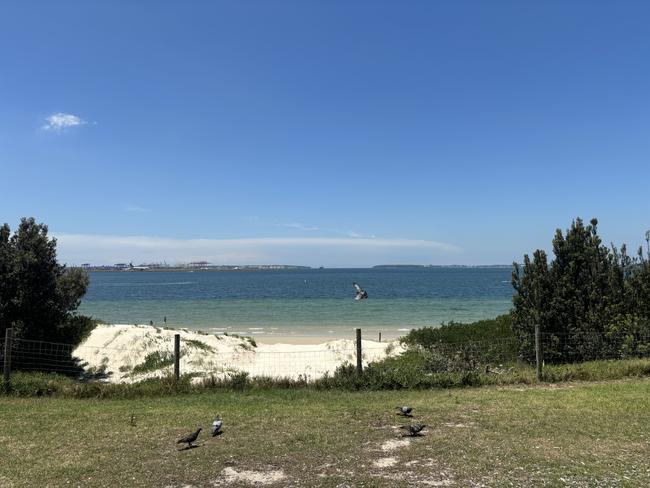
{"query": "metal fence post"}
(359, 362)
(177, 356)
(538, 353)
(9, 335)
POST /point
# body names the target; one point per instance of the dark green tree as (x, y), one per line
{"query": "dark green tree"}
(38, 296)
(589, 301)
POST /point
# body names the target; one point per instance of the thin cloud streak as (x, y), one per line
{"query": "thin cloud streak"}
(100, 249)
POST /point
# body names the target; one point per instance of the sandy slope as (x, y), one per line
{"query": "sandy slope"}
(119, 348)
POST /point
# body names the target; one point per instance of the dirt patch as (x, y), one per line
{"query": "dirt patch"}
(251, 477)
(458, 425)
(393, 444)
(386, 462)
(435, 483)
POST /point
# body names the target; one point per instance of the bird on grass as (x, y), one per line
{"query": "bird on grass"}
(405, 410)
(216, 426)
(189, 438)
(413, 429)
(361, 293)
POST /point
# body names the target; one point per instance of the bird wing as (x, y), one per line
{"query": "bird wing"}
(357, 287)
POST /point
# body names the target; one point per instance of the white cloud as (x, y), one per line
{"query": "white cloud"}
(60, 121)
(313, 251)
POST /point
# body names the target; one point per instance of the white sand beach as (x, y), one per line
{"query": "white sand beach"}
(131, 353)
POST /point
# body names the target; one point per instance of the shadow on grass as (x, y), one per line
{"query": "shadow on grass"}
(43, 357)
(191, 446)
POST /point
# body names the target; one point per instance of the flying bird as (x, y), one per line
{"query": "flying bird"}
(406, 411)
(413, 429)
(216, 426)
(361, 293)
(189, 439)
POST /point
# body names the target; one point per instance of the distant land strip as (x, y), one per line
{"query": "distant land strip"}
(203, 266)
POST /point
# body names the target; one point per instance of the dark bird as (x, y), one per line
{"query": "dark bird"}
(413, 429)
(132, 420)
(216, 426)
(189, 439)
(406, 411)
(361, 293)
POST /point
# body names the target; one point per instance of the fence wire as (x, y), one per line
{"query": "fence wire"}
(156, 359)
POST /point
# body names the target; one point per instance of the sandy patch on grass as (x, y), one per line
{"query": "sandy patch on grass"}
(393, 444)
(386, 462)
(251, 477)
(458, 425)
(436, 482)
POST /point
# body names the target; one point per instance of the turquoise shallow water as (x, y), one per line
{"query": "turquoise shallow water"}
(300, 303)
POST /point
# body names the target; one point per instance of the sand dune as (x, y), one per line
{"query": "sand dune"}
(130, 353)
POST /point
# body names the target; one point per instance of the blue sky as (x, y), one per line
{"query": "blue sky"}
(324, 133)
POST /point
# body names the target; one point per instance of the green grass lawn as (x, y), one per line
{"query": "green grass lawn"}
(572, 434)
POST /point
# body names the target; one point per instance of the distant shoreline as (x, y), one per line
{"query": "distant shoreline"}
(273, 267)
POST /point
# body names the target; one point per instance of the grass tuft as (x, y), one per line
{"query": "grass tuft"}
(154, 361)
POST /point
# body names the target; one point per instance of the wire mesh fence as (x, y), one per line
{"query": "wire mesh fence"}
(563, 347)
(222, 357)
(146, 359)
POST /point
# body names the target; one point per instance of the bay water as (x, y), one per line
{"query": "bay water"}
(305, 302)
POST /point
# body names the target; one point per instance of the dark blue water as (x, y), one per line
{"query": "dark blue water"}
(311, 302)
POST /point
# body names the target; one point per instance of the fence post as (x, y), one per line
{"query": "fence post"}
(538, 353)
(9, 335)
(359, 363)
(177, 356)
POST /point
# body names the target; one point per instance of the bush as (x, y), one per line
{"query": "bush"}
(457, 332)
(76, 329)
(461, 347)
(154, 361)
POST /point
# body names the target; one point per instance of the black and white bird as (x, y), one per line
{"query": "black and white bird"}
(189, 438)
(361, 293)
(413, 429)
(405, 410)
(216, 426)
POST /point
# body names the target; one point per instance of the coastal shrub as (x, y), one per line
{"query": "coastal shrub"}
(250, 340)
(198, 345)
(154, 361)
(458, 332)
(76, 329)
(460, 347)
(238, 380)
(375, 377)
(590, 301)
